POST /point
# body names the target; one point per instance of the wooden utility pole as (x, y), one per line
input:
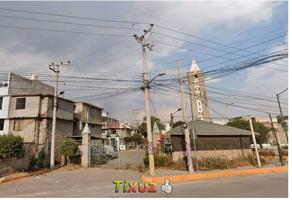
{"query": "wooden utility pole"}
(186, 128)
(277, 140)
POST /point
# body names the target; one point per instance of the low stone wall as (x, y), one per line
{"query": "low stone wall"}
(227, 154)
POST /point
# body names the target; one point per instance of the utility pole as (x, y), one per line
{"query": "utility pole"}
(55, 68)
(277, 140)
(186, 128)
(255, 143)
(281, 113)
(195, 149)
(146, 87)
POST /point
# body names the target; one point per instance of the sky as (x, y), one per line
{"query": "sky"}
(215, 34)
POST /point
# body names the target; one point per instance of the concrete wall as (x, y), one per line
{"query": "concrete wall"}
(65, 108)
(227, 154)
(86, 113)
(28, 133)
(31, 107)
(22, 86)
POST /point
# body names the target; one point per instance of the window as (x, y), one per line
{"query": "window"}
(199, 105)
(1, 124)
(20, 103)
(18, 125)
(1, 101)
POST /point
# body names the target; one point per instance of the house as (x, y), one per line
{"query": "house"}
(27, 111)
(113, 128)
(121, 130)
(211, 140)
(90, 114)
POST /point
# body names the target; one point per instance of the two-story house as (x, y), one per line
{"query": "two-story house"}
(27, 110)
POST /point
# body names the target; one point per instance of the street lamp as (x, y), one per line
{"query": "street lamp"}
(146, 88)
(147, 84)
(161, 74)
(171, 117)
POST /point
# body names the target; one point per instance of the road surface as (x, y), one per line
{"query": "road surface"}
(97, 182)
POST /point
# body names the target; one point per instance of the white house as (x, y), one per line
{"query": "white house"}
(4, 107)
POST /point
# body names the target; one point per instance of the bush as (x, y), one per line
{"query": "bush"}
(38, 162)
(160, 160)
(267, 153)
(11, 146)
(215, 163)
(69, 148)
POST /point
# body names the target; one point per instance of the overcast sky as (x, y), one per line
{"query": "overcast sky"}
(258, 26)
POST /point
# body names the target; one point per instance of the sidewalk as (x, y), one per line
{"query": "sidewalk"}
(178, 176)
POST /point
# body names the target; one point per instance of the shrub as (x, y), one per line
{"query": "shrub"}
(267, 153)
(11, 146)
(69, 148)
(214, 163)
(160, 160)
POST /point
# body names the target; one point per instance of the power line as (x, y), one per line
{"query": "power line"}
(67, 22)
(71, 16)
(62, 31)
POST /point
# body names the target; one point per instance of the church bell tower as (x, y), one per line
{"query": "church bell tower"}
(198, 94)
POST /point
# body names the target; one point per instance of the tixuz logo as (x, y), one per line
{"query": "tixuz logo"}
(138, 186)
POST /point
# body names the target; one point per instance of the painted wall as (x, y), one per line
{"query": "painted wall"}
(4, 109)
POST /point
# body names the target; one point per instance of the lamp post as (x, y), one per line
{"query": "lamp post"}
(146, 87)
(171, 117)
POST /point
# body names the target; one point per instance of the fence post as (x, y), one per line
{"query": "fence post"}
(85, 157)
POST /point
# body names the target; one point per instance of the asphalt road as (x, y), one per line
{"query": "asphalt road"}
(98, 182)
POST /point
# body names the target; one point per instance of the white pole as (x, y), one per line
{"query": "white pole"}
(255, 143)
(52, 158)
(186, 130)
(148, 114)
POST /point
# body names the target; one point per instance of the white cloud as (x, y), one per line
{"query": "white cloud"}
(189, 17)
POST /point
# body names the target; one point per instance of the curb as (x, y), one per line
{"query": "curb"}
(22, 175)
(214, 175)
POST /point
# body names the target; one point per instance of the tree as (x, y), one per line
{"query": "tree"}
(258, 127)
(69, 148)
(142, 129)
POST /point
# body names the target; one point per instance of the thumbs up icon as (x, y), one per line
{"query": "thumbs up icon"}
(166, 187)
